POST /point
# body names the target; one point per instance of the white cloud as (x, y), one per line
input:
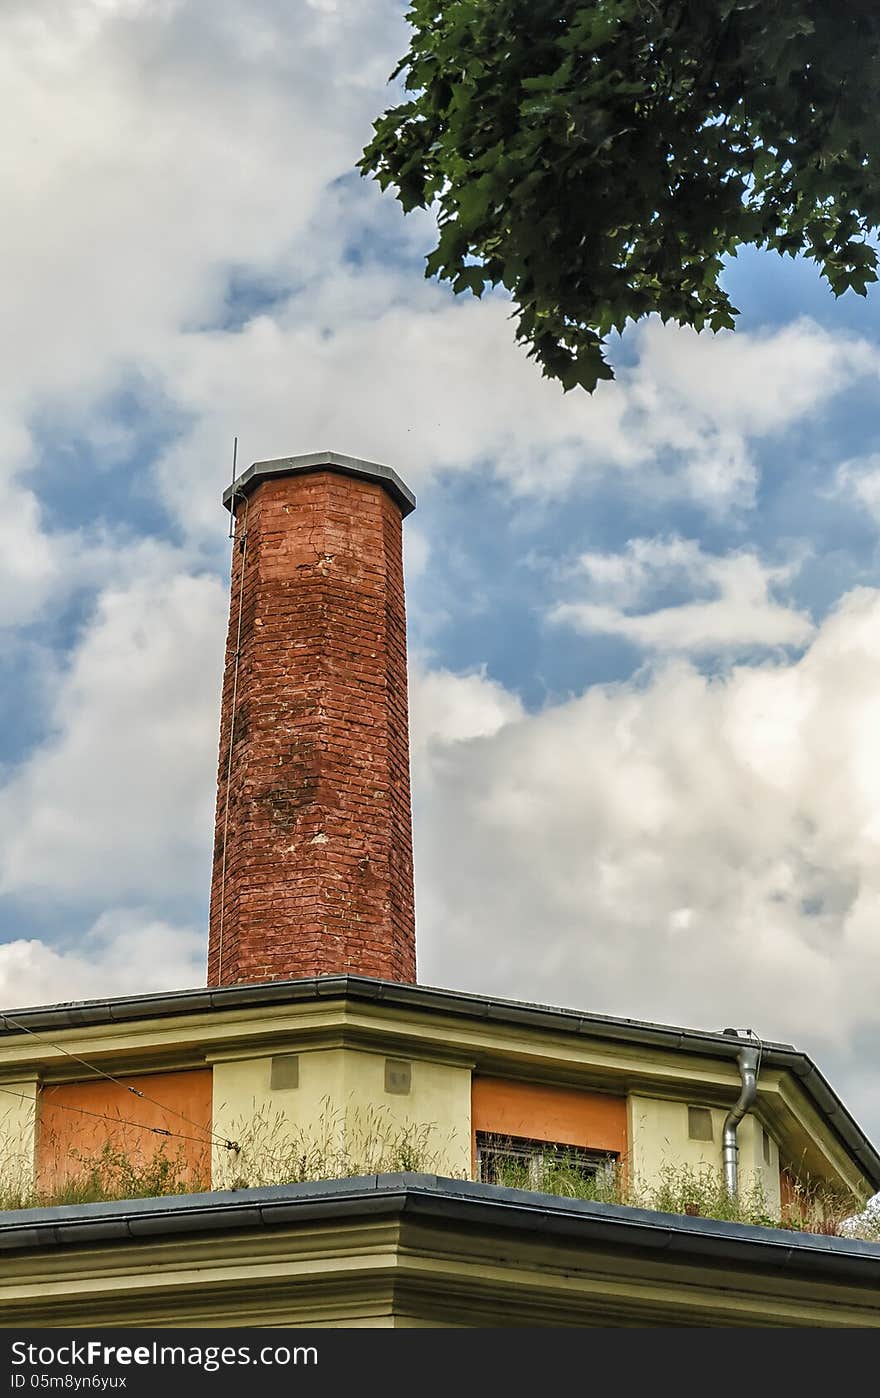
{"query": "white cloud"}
(154, 146)
(699, 850)
(117, 803)
(126, 952)
(447, 711)
(739, 615)
(706, 397)
(381, 365)
(754, 383)
(860, 478)
(29, 568)
(157, 149)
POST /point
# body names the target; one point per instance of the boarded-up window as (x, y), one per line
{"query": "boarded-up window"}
(562, 1116)
(102, 1129)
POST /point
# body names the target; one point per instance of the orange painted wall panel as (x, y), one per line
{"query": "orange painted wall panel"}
(73, 1129)
(565, 1115)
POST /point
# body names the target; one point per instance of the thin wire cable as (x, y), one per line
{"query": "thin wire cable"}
(243, 542)
(115, 1120)
(126, 1087)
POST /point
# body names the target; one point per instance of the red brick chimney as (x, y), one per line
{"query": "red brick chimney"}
(313, 847)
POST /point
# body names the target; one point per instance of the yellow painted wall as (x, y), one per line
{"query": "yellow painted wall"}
(752, 1166)
(340, 1119)
(440, 1099)
(18, 1114)
(658, 1135)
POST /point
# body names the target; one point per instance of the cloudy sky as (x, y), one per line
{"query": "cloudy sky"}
(644, 626)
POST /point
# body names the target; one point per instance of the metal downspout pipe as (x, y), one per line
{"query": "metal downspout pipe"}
(747, 1062)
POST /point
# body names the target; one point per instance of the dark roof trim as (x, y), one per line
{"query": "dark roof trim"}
(460, 1004)
(462, 1201)
(322, 461)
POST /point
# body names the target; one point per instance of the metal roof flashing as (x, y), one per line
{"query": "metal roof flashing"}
(310, 462)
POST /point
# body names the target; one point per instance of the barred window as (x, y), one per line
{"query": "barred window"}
(521, 1163)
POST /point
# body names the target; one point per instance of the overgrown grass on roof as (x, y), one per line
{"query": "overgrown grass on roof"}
(342, 1145)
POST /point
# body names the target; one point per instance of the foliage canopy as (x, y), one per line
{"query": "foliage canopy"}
(601, 158)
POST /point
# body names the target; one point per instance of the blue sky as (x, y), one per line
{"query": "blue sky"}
(644, 626)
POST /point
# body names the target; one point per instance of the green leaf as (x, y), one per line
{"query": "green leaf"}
(601, 159)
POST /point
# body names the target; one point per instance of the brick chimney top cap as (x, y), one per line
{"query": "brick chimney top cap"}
(322, 461)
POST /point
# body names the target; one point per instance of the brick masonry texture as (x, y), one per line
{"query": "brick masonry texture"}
(318, 836)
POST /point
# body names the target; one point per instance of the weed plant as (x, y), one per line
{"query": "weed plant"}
(352, 1142)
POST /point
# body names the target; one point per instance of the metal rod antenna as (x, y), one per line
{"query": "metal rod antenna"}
(232, 502)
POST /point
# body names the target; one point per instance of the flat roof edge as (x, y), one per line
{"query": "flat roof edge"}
(463, 1201)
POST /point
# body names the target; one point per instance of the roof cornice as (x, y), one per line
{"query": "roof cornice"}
(449, 1200)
